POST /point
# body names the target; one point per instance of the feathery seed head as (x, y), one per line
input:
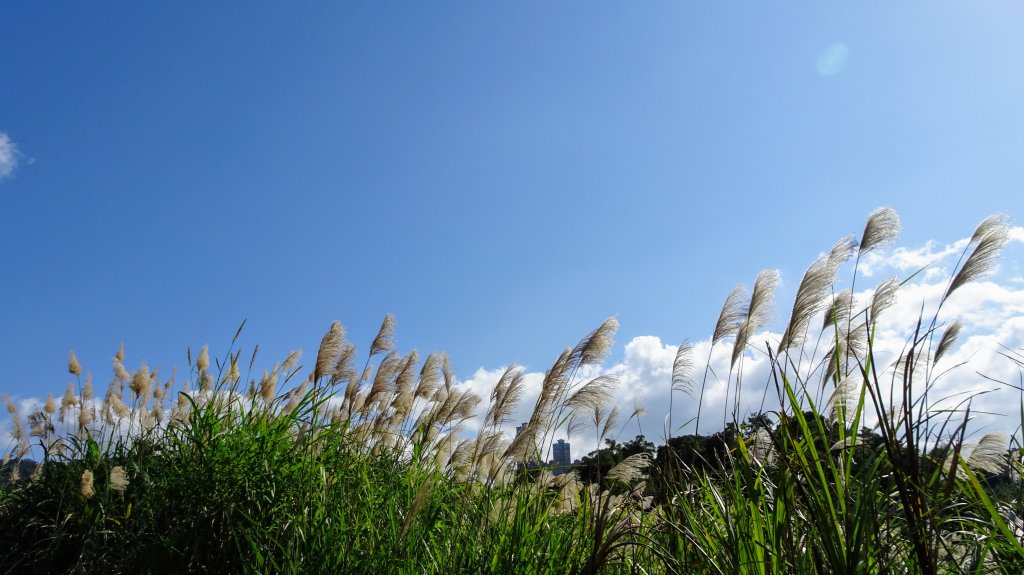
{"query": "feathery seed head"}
(630, 469)
(51, 405)
(811, 296)
(884, 297)
(67, 401)
(85, 486)
(330, 349)
(73, 367)
(594, 348)
(203, 361)
(268, 386)
(682, 368)
(731, 316)
(291, 361)
(120, 373)
(118, 479)
(948, 339)
(838, 313)
(385, 337)
(758, 311)
(87, 392)
(882, 227)
(119, 356)
(988, 240)
(85, 417)
(429, 375)
(140, 382)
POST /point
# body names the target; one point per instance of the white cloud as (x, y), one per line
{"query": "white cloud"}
(9, 156)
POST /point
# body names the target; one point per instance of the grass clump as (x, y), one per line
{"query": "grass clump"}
(855, 467)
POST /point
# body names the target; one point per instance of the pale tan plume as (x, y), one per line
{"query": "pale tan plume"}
(630, 469)
(682, 368)
(596, 346)
(988, 240)
(330, 348)
(73, 367)
(948, 339)
(838, 313)
(595, 393)
(810, 298)
(883, 298)
(882, 227)
(385, 336)
(731, 315)
(758, 311)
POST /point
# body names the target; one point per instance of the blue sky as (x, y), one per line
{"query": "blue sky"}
(500, 176)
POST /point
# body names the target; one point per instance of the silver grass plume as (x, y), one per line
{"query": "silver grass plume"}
(343, 367)
(523, 445)
(556, 380)
(841, 252)
(429, 375)
(330, 349)
(384, 380)
(595, 393)
(268, 385)
(73, 367)
(202, 362)
(682, 368)
(839, 312)
(845, 396)
(385, 337)
(291, 361)
(988, 240)
(812, 294)
(506, 395)
(883, 298)
(882, 227)
(850, 345)
(810, 298)
(610, 421)
(630, 469)
(762, 448)
(731, 316)
(68, 402)
(948, 339)
(990, 455)
(594, 348)
(757, 312)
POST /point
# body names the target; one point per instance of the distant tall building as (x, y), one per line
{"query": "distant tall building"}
(520, 429)
(560, 450)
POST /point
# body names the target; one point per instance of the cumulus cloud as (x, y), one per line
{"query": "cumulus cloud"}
(9, 156)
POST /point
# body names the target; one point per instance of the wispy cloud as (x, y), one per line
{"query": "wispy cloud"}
(9, 155)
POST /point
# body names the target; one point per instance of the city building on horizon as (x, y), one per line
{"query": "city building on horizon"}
(561, 453)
